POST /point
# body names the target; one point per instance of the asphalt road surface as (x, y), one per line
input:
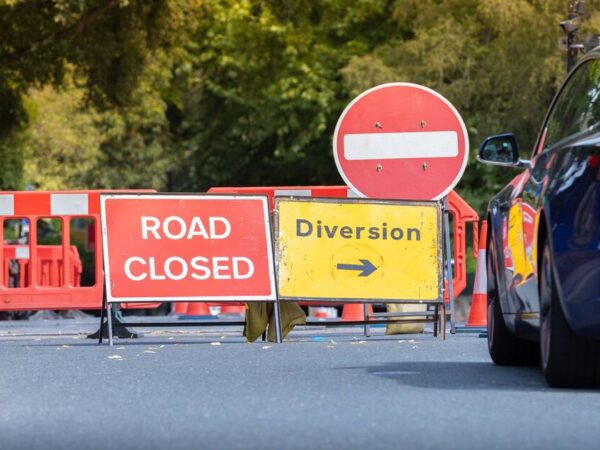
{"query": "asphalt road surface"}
(321, 389)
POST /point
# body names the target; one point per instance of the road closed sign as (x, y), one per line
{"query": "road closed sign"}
(187, 247)
(332, 249)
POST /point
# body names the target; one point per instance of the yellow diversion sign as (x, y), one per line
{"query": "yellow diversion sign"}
(331, 249)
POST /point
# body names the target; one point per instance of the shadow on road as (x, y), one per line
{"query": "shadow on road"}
(461, 375)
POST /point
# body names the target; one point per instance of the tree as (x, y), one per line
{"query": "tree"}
(105, 45)
(266, 89)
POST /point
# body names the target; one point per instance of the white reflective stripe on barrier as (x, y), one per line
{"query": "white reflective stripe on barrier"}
(480, 286)
(68, 204)
(293, 192)
(7, 205)
(352, 194)
(22, 252)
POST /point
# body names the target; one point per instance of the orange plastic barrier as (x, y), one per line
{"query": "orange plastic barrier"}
(49, 276)
(461, 214)
(460, 211)
(50, 263)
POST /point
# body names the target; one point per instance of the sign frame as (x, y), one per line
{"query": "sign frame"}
(109, 299)
(199, 298)
(354, 299)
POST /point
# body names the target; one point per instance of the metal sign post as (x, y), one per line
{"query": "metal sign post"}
(448, 258)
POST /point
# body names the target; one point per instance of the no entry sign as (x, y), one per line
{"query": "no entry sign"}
(401, 141)
(187, 247)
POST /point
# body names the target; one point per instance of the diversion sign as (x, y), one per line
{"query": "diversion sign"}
(187, 247)
(367, 250)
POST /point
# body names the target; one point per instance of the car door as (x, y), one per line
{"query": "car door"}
(572, 116)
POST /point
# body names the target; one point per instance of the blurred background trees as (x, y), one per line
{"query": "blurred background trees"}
(187, 94)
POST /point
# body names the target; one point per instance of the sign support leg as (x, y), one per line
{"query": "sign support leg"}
(110, 328)
(449, 275)
(119, 329)
(366, 317)
(436, 319)
(278, 332)
(102, 313)
(443, 323)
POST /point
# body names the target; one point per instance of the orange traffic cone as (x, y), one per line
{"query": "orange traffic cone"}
(355, 311)
(478, 313)
(198, 309)
(179, 308)
(238, 310)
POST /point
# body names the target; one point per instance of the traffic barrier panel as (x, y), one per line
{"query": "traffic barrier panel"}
(478, 312)
(41, 268)
(232, 309)
(50, 272)
(461, 214)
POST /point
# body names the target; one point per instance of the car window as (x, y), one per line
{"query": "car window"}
(577, 110)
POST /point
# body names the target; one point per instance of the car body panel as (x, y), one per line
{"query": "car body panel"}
(555, 200)
(573, 214)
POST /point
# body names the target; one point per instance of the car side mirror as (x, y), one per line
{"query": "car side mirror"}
(501, 150)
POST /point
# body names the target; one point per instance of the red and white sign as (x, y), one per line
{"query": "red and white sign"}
(187, 247)
(401, 141)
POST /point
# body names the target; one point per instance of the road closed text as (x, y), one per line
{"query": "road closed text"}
(198, 267)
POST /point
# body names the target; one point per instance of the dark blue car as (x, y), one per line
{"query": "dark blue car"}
(543, 262)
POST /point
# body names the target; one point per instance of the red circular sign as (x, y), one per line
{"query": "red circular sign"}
(401, 141)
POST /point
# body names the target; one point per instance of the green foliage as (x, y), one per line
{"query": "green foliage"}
(188, 94)
(71, 145)
(106, 46)
(266, 89)
(11, 158)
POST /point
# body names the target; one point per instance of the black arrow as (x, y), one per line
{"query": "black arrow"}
(366, 268)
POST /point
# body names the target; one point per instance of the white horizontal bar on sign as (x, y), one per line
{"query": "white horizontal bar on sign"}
(422, 144)
(7, 205)
(293, 192)
(68, 204)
